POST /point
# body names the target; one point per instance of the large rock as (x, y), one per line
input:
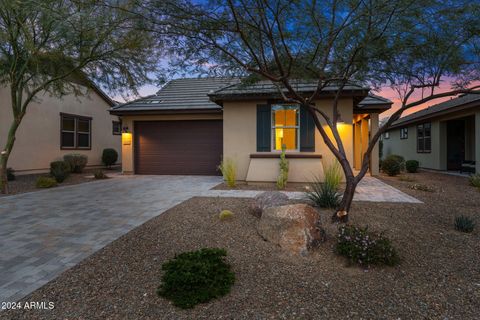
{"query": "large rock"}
(294, 227)
(266, 200)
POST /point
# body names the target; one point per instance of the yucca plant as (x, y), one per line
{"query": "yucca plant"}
(464, 224)
(323, 195)
(333, 175)
(228, 169)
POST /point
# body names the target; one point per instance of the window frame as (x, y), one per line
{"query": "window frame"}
(404, 133)
(421, 136)
(117, 133)
(273, 127)
(386, 135)
(76, 131)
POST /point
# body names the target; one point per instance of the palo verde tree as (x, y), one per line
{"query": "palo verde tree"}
(410, 46)
(60, 46)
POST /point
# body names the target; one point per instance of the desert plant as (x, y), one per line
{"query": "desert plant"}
(421, 187)
(333, 175)
(283, 176)
(464, 224)
(392, 165)
(365, 248)
(59, 170)
(412, 166)
(228, 169)
(322, 194)
(196, 277)
(109, 157)
(45, 182)
(99, 174)
(77, 162)
(10, 174)
(474, 180)
(225, 214)
(406, 179)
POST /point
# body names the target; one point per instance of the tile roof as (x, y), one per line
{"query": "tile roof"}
(180, 94)
(432, 111)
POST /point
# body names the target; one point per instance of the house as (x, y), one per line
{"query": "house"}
(445, 136)
(53, 127)
(191, 124)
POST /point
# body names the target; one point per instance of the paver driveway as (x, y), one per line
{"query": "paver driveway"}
(46, 232)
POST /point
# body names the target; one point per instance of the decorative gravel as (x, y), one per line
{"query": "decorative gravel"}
(262, 186)
(438, 278)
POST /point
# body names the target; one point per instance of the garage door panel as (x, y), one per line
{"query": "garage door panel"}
(178, 147)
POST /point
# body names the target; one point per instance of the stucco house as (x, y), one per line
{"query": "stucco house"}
(191, 124)
(53, 127)
(445, 136)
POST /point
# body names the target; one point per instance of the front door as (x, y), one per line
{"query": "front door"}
(455, 144)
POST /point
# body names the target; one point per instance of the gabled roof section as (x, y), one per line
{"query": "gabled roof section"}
(267, 89)
(373, 103)
(179, 95)
(462, 102)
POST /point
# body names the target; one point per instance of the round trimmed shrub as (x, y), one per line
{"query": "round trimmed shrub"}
(45, 182)
(412, 166)
(59, 170)
(109, 157)
(196, 277)
(391, 166)
(76, 162)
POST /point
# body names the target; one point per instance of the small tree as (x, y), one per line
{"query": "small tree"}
(410, 46)
(59, 47)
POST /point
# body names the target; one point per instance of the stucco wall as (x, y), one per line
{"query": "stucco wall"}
(128, 121)
(239, 132)
(437, 158)
(38, 137)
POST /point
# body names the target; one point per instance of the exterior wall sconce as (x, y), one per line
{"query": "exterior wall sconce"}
(126, 136)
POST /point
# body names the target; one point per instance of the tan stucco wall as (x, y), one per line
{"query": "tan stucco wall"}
(38, 137)
(437, 158)
(239, 132)
(128, 121)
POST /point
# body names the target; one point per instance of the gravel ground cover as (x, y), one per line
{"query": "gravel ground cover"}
(26, 183)
(264, 186)
(438, 277)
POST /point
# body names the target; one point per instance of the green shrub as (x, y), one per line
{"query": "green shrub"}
(474, 180)
(45, 182)
(59, 170)
(323, 195)
(228, 169)
(464, 224)
(76, 162)
(393, 165)
(283, 176)
(365, 248)
(412, 166)
(109, 157)
(99, 174)
(196, 277)
(10, 174)
(333, 175)
(225, 214)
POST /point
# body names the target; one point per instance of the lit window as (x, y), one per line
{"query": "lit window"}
(75, 132)
(285, 127)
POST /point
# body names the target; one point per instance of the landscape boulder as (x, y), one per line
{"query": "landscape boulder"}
(266, 200)
(295, 227)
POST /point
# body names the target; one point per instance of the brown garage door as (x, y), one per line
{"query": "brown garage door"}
(178, 147)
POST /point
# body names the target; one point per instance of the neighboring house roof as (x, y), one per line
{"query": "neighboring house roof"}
(456, 104)
(208, 94)
(190, 94)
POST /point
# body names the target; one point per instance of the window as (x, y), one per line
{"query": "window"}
(116, 127)
(386, 135)
(404, 133)
(285, 127)
(424, 138)
(75, 132)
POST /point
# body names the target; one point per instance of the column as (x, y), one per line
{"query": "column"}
(374, 159)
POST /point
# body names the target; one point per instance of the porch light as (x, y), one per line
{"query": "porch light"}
(339, 119)
(126, 136)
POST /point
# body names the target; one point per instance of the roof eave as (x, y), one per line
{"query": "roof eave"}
(164, 111)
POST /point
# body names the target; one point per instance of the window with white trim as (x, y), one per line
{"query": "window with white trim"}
(424, 138)
(404, 133)
(285, 127)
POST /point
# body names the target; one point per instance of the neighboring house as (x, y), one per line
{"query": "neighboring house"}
(445, 136)
(191, 124)
(53, 127)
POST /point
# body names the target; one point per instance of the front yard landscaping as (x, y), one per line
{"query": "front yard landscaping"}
(437, 276)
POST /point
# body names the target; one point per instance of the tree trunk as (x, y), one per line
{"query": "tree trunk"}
(342, 213)
(5, 154)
